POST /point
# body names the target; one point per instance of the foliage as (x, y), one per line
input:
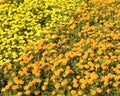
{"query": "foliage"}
(78, 58)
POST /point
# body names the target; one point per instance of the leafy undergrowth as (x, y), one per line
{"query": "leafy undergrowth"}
(79, 58)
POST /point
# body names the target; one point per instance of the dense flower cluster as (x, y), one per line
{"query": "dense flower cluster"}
(77, 58)
(24, 22)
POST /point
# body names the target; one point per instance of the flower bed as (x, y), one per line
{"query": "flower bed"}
(77, 58)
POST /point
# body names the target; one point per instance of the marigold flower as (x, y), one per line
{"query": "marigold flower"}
(19, 94)
(99, 90)
(82, 86)
(69, 88)
(77, 77)
(64, 82)
(73, 92)
(43, 88)
(57, 85)
(75, 85)
(16, 80)
(10, 83)
(93, 92)
(27, 92)
(53, 93)
(26, 87)
(3, 89)
(80, 92)
(37, 93)
(93, 75)
(108, 90)
(15, 87)
(9, 66)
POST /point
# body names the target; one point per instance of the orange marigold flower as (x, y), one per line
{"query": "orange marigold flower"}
(27, 92)
(16, 80)
(43, 88)
(99, 90)
(26, 87)
(9, 66)
(69, 87)
(83, 86)
(10, 83)
(15, 87)
(64, 82)
(75, 85)
(77, 77)
(73, 92)
(93, 92)
(37, 92)
(80, 92)
(57, 85)
(93, 75)
(19, 94)
(53, 93)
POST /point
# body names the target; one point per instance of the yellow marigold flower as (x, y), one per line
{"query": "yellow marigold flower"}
(93, 92)
(43, 88)
(9, 66)
(71, 20)
(116, 84)
(57, 85)
(53, 78)
(21, 73)
(93, 75)
(84, 95)
(73, 92)
(69, 88)
(21, 82)
(10, 83)
(45, 83)
(53, 93)
(73, 26)
(16, 80)
(75, 85)
(64, 82)
(106, 83)
(90, 81)
(19, 94)
(108, 90)
(22, 63)
(5, 70)
(13, 74)
(108, 61)
(80, 92)
(81, 66)
(15, 87)
(37, 93)
(99, 52)
(118, 66)
(86, 66)
(57, 73)
(26, 87)
(3, 90)
(59, 94)
(83, 86)
(97, 66)
(7, 87)
(77, 77)
(27, 92)
(39, 80)
(31, 83)
(99, 90)
(78, 11)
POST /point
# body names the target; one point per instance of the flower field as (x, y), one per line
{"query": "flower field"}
(60, 48)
